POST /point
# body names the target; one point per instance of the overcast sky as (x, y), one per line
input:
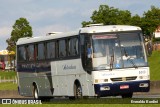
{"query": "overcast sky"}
(59, 15)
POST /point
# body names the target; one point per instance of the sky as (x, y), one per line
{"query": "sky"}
(59, 15)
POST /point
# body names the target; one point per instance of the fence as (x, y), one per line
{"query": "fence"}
(156, 46)
(8, 79)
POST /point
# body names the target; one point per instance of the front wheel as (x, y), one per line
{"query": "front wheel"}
(78, 91)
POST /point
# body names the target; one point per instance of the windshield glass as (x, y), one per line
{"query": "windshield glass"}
(114, 51)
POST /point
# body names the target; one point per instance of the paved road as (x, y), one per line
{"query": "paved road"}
(14, 94)
(104, 100)
(147, 96)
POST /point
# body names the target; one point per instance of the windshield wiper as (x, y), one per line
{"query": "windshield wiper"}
(111, 62)
(128, 59)
(132, 62)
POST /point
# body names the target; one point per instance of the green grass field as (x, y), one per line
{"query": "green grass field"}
(154, 63)
(8, 86)
(7, 74)
(85, 105)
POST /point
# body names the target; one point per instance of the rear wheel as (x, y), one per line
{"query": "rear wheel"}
(35, 92)
(127, 95)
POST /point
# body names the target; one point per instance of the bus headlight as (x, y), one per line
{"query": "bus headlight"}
(103, 88)
(143, 85)
(101, 80)
(144, 77)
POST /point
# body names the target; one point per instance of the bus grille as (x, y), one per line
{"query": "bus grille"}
(123, 79)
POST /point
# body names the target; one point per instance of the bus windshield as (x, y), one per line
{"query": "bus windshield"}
(120, 50)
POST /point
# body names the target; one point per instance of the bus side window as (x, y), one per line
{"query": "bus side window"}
(26, 52)
(21, 53)
(73, 46)
(62, 48)
(41, 51)
(50, 50)
(76, 46)
(35, 52)
(30, 52)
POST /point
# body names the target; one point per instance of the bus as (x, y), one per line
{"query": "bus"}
(94, 61)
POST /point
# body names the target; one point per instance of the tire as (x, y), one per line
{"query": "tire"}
(35, 93)
(77, 91)
(128, 95)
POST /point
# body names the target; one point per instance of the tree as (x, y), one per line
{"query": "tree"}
(113, 16)
(109, 16)
(21, 29)
(136, 20)
(151, 20)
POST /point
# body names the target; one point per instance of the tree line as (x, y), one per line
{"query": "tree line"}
(149, 21)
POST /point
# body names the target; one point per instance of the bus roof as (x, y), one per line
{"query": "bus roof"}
(109, 28)
(90, 29)
(43, 38)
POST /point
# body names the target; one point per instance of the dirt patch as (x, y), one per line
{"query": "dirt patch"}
(155, 84)
(10, 94)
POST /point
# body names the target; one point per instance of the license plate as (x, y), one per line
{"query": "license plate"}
(124, 86)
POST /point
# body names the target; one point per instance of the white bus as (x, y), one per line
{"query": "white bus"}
(92, 61)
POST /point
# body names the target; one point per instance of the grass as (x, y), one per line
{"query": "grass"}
(8, 86)
(7, 74)
(154, 63)
(85, 105)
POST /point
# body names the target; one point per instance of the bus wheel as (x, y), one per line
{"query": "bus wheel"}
(128, 95)
(35, 92)
(77, 91)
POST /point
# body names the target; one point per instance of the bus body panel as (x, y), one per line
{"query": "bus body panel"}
(26, 84)
(65, 73)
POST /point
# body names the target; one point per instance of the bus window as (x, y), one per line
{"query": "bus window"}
(21, 53)
(41, 51)
(73, 47)
(50, 50)
(62, 48)
(31, 52)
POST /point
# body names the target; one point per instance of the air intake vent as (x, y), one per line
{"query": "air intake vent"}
(123, 79)
(52, 33)
(90, 25)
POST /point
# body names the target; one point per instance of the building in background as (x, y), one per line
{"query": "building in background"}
(7, 60)
(157, 32)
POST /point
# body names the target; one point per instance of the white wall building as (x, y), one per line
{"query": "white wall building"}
(157, 32)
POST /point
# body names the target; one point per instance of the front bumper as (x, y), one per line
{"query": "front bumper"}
(119, 88)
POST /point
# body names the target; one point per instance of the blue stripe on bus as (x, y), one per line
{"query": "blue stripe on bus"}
(115, 88)
(32, 67)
